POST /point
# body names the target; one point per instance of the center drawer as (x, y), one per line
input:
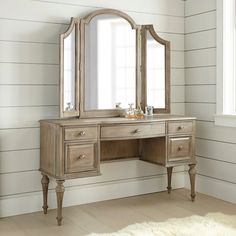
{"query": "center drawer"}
(80, 157)
(131, 131)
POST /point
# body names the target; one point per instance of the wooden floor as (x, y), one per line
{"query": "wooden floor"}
(113, 215)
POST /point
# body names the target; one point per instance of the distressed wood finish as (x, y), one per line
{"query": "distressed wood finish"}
(80, 157)
(153, 150)
(192, 174)
(169, 177)
(119, 149)
(81, 133)
(180, 127)
(60, 193)
(166, 43)
(65, 156)
(132, 131)
(74, 24)
(45, 182)
(180, 148)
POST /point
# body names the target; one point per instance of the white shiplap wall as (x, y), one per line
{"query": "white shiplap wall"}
(29, 92)
(215, 146)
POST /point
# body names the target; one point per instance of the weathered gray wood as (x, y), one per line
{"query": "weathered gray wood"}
(45, 182)
(192, 175)
(60, 193)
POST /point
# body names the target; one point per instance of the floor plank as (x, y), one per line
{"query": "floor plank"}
(113, 215)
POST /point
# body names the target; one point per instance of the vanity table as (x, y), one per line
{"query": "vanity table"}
(105, 59)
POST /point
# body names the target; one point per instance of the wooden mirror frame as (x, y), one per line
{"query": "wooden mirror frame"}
(85, 21)
(166, 43)
(74, 24)
(141, 83)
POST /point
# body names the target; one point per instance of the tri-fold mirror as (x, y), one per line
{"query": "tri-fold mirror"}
(108, 61)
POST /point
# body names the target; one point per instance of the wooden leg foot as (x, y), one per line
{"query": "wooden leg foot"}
(192, 175)
(169, 175)
(45, 182)
(60, 193)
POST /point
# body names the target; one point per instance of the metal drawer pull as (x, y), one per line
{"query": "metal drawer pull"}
(180, 148)
(81, 157)
(180, 127)
(81, 133)
(136, 131)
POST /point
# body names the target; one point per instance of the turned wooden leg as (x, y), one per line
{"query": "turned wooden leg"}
(45, 182)
(192, 175)
(60, 192)
(169, 175)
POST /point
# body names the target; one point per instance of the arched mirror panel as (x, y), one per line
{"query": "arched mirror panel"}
(109, 59)
(69, 41)
(156, 74)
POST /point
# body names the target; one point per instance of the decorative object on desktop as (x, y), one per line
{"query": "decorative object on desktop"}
(149, 110)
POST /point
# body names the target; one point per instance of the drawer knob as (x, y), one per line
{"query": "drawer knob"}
(180, 127)
(81, 157)
(81, 133)
(136, 131)
(180, 148)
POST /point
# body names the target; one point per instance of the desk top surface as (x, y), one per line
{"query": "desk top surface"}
(116, 120)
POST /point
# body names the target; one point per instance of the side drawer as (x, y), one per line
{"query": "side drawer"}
(180, 127)
(81, 133)
(80, 157)
(132, 131)
(180, 148)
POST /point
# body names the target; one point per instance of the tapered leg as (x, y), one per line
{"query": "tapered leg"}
(169, 175)
(60, 192)
(192, 175)
(45, 182)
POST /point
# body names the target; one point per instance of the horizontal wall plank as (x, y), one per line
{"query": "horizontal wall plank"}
(177, 77)
(200, 93)
(202, 111)
(12, 183)
(176, 40)
(29, 31)
(177, 108)
(177, 93)
(22, 74)
(202, 75)
(208, 130)
(195, 7)
(28, 95)
(60, 13)
(29, 53)
(25, 203)
(168, 7)
(15, 161)
(216, 150)
(216, 169)
(15, 139)
(200, 22)
(204, 57)
(204, 39)
(177, 59)
(17, 117)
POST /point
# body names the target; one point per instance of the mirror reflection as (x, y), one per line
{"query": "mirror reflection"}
(110, 63)
(155, 72)
(69, 71)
